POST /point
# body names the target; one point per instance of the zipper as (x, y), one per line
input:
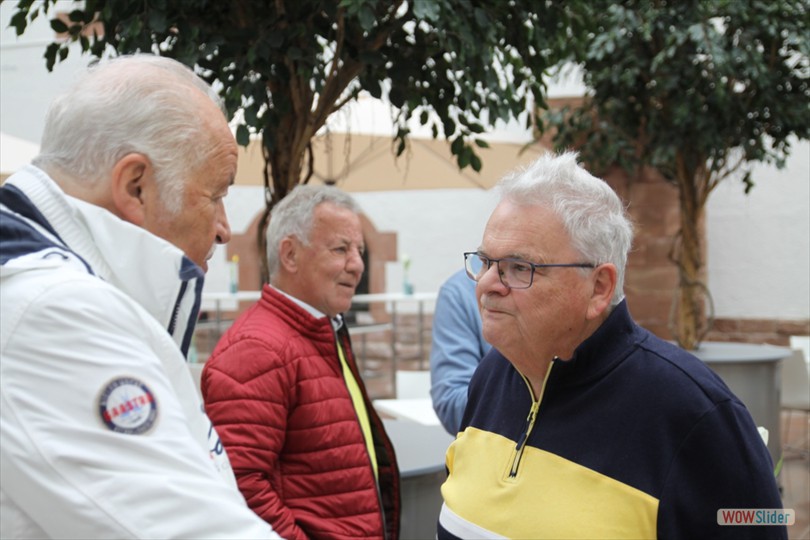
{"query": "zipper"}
(176, 309)
(530, 420)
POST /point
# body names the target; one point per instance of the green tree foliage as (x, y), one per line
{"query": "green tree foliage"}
(698, 90)
(457, 66)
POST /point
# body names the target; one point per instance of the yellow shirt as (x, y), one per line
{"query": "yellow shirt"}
(359, 407)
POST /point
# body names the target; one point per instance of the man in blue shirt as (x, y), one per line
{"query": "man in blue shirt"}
(458, 346)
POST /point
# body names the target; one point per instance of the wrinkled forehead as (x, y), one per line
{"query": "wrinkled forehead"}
(525, 231)
(330, 220)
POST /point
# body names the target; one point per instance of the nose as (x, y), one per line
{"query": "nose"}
(490, 281)
(354, 263)
(223, 228)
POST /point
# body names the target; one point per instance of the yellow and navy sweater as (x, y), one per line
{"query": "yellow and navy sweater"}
(632, 437)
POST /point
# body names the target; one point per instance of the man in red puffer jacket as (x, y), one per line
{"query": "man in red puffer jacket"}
(282, 387)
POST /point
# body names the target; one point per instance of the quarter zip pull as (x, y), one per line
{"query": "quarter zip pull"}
(530, 420)
(521, 444)
(521, 440)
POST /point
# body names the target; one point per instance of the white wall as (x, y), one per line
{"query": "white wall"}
(759, 244)
(433, 229)
(26, 86)
(758, 262)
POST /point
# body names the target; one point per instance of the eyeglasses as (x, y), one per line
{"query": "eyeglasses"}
(513, 273)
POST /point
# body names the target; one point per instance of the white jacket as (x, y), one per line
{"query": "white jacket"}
(102, 432)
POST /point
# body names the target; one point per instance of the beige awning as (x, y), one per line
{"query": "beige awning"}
(361, 163)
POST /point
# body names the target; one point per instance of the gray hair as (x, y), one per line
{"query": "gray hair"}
(293, 216)
(135, 103)
(592, 213)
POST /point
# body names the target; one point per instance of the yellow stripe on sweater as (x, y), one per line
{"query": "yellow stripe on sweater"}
(551, 497)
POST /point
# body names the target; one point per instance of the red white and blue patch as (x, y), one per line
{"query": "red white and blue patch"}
(128, 406)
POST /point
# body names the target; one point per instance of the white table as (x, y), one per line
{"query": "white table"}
(420, 451)
(419, 410)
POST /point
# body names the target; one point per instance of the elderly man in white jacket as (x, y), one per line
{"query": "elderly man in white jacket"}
(105, 240)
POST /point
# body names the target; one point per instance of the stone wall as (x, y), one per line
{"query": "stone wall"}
(775, 332)
(652, 277)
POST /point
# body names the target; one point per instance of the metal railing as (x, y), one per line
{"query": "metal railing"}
(222, 303)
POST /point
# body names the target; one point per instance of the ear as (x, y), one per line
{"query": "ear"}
(129, 180)
(604, 283)
(288, 252)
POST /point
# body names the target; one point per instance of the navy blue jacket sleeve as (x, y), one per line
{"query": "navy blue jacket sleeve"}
(722, 464)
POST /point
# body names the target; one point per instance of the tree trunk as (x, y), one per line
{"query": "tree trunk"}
(689, 304)
(306, 111)
(283, 171)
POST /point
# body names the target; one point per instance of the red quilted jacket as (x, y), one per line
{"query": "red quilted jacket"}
(274, 389)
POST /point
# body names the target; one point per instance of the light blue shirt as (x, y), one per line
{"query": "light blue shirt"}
(458, 346)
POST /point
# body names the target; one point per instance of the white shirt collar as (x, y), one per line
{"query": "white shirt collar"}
(337, 322)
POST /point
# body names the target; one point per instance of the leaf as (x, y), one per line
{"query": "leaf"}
(426, 9)
(449, 127)
(464, 157)
(475, 162)
(58, 26)
(397, 97)
(481, 17)
(457, 147)
(748, 182)
(251, 115)
(366, 17)
(50, 55)
(481, 143)
(19, 22)
(242, 135)
(134, 27)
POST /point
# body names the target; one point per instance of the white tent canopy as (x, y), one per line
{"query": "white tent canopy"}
(15, 153)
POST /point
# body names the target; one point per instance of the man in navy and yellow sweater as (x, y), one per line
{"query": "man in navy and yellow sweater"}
(581, 424)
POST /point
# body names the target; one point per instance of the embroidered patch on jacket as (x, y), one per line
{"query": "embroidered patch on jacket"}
(127, 405)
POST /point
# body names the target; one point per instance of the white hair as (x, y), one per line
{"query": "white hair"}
(591, 212)
(135, 103)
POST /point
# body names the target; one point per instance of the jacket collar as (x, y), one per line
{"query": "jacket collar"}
(121, 253)
(337, 322)
(609, 345)
(297, 315)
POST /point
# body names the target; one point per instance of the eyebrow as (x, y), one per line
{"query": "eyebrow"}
(343, 240)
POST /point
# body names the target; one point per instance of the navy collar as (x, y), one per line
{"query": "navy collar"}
(609, 345)
(20, 237)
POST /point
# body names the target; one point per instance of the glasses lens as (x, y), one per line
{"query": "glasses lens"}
(475, 266)
(516, 274)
